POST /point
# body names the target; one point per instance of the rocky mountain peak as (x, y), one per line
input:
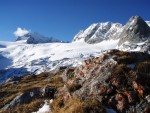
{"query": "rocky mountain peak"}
(97, 32)
(136, 30)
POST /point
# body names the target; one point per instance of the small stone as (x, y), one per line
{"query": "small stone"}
(148, 98)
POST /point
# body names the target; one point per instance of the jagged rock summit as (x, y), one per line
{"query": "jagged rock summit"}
(136, 30)
(98, 32)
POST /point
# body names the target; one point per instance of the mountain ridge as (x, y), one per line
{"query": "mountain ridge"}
(91, 32)
(97, 32)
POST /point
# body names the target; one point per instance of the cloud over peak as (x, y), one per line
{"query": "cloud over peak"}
(21, 32)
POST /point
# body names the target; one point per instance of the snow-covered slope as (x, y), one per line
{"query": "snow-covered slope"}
(148, 22)
(19, 58)
(98, 32)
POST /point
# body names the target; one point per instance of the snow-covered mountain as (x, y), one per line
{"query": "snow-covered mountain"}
(30, 54)
(35, 38)
(133, 36)
(98, 32)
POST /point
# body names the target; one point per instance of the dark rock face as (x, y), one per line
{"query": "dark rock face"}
(136, 30)
(48, 92)
(14, 78)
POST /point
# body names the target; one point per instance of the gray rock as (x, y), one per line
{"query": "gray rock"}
(14, 78)
(23, 98)
(48, 92)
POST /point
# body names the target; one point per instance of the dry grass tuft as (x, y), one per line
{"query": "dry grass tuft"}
(126, 59)
(6, 97)
(143, 67)
(56, 81)
(120, 69)
(75, 105)
(113, 51)
(57, 104)
(73, 87)
(143, 71)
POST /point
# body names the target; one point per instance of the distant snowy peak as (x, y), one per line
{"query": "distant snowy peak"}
(35, 38)
(98, 32)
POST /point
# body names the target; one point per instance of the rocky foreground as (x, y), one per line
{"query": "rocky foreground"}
(115, 80)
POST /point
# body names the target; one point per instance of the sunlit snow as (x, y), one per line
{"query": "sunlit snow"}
(44, 109)
(36, 58)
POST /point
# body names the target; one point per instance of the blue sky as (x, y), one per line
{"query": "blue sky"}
(64, 18)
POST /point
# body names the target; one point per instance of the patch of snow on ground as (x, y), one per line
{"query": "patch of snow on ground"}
(44, 109)
(128, 46)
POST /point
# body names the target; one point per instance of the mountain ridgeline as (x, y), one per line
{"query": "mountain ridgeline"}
(98, 32)
(134, 35)
(135, 31)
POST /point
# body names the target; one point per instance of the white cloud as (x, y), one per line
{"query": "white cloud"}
(20, 32)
